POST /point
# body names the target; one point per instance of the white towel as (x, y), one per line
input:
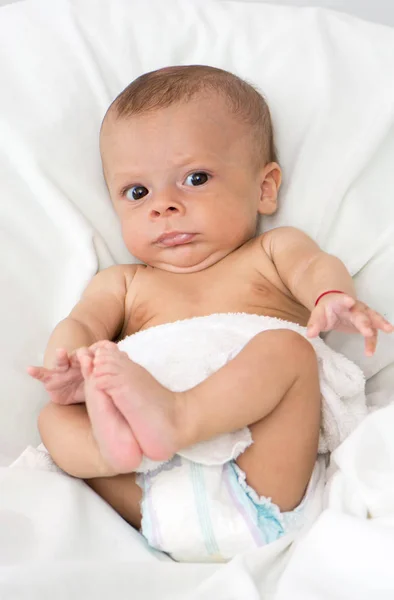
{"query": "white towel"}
(182, 354)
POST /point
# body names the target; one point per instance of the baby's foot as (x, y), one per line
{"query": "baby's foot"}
(152, 411)
(111, 431)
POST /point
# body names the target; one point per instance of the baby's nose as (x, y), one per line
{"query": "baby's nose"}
(158, 211)
(165, 203)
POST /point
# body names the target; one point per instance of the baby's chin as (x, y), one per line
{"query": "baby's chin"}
(174, 263)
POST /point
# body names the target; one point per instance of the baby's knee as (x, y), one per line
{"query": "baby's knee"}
(301, 351)
(286, 341)
(300, 346)
(290, 349)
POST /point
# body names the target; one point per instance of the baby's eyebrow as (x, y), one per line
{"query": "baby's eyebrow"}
(119, 179)
(125, 175)
(195, 160)
(184, 161)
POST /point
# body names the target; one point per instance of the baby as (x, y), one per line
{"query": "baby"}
(189, 161)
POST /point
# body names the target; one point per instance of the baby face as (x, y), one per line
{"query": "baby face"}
(183, 183)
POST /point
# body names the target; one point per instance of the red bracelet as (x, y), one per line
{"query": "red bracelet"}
(328, 292)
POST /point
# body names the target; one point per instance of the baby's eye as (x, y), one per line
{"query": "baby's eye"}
(198, 178)
(136, 192)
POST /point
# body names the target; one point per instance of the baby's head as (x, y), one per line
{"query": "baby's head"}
(189, 161)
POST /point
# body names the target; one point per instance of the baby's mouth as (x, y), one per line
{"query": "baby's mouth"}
(174, 238)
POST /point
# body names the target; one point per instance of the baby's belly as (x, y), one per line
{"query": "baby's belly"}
(170, 314)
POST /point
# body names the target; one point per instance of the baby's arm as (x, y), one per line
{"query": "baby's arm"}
(100, 314)
(305, 269)
(314, 278)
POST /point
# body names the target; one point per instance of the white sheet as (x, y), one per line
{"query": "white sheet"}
(381, 11)
(59, 522)
(328, 81)
(348, 553)
(59, 533)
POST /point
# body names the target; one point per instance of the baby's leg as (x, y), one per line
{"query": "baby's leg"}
(67, 434)
(272, 386)
(122, 493)
(272, 383)
(111, 431)
(280, 462)
(115, 386)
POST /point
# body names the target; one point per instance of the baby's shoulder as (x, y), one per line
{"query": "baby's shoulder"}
(128, 271)
(259, 247)
(255, 256)
(117, 277)
(286, 238)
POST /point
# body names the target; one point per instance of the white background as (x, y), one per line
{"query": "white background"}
(381, 11)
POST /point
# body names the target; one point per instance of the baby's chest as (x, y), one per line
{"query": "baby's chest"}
(172, 299)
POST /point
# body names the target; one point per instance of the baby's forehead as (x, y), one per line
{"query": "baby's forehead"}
(202, 103)
(205, 109)
(137, 141)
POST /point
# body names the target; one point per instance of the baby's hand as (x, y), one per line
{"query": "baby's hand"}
(64, 382)
(342, 312)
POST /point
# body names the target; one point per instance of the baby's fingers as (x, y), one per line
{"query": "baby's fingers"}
(370, 343)
(62, 361)
(376, 322)
(39, 373)
(380, 322)
(362, 322)
(366, 323)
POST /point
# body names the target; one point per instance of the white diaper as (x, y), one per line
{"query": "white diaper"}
(198, 507)
(197, 513)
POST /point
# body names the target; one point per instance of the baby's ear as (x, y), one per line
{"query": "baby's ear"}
(271, 178)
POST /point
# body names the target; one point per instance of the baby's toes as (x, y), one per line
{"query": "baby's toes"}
(86, 363)
(102, 345)
(108, 352)
(105, 364)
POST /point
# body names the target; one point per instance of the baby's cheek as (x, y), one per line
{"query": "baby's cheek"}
(134, 238)
(237, 226)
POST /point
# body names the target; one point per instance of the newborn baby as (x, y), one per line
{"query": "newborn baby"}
(189, 161)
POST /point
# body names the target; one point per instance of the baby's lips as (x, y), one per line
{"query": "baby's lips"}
(175, 238)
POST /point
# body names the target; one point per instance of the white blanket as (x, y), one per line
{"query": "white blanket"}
(58, 529)
(182, 354)
(49, 531)
(348, 553)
